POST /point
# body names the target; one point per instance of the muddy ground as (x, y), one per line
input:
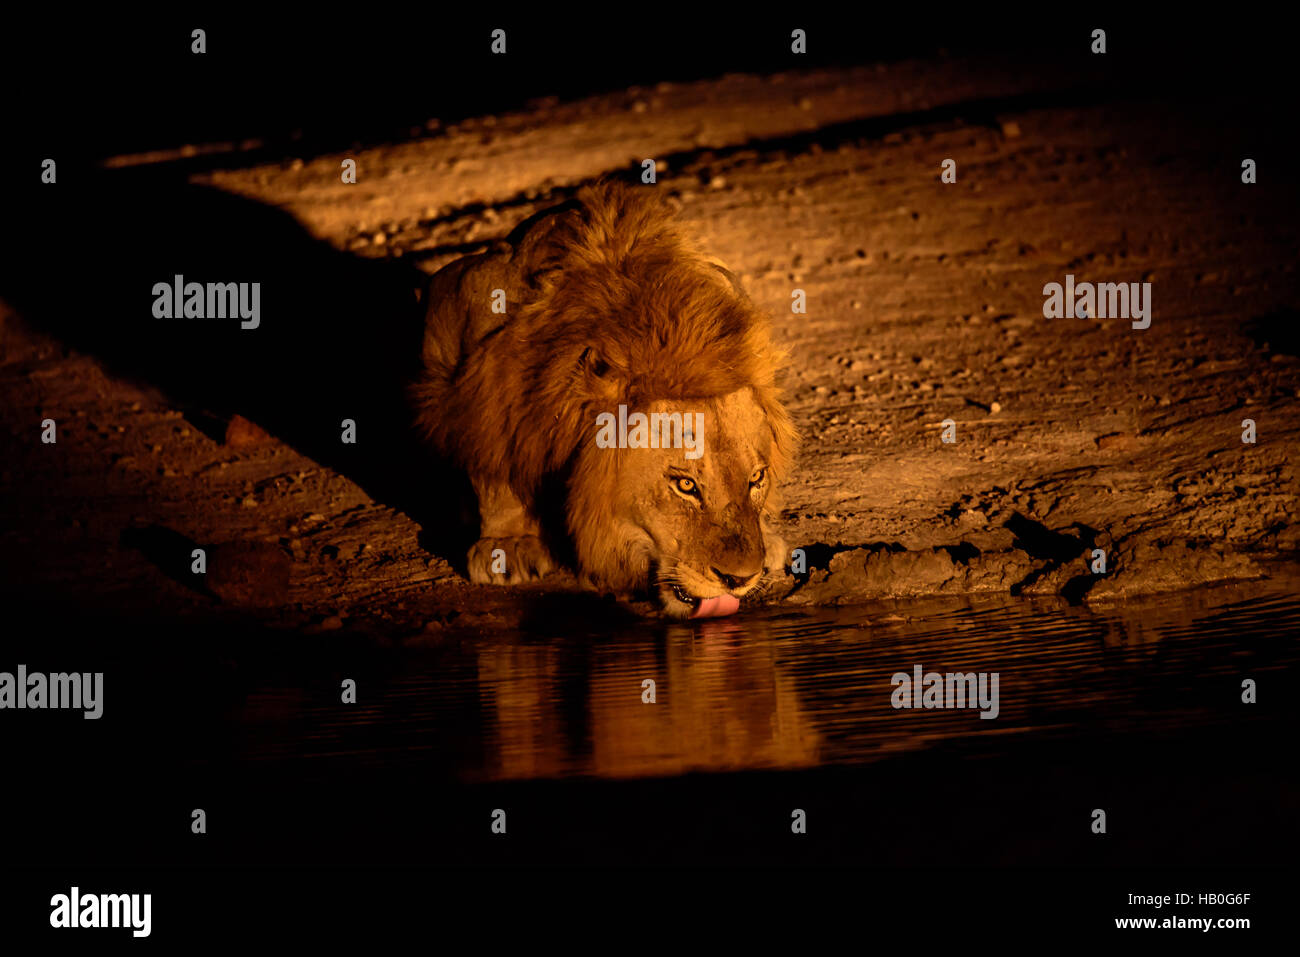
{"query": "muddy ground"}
(925, 303)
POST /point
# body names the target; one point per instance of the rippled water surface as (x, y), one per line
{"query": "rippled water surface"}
(785, 689)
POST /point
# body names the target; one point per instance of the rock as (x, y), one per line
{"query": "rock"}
(1152, 567)
(1117, 440)
(243, 434)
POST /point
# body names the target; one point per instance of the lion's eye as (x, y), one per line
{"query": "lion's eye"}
(759, 475)
(685, 486)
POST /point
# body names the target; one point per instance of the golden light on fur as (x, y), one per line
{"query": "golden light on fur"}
(608, 303)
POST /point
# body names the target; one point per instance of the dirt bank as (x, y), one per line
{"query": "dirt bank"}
(925, 304)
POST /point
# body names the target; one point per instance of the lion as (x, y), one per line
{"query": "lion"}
(596, 312)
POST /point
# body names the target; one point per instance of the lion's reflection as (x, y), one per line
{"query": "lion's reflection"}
(722, 699)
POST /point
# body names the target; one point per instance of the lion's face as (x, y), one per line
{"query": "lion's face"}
(688, 524)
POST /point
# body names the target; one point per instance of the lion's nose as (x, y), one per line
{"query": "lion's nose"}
(733, 582)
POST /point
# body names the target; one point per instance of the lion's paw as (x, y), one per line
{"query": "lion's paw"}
(508, 561)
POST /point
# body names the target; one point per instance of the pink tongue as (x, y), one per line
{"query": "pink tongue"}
(717, 607)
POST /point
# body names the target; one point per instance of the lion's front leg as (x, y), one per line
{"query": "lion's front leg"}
(509, 549)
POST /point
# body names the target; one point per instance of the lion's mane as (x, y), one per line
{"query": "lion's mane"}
(608, 303)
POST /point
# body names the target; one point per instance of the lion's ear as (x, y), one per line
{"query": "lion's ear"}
(542, 241)
(601, 377)
(593, 364)
(731, 279)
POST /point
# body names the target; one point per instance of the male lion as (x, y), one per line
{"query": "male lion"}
(530, 350)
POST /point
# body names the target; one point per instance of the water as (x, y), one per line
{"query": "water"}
(1135, 709)
(781, 690)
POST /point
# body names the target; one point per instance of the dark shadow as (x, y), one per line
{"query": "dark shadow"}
(962, 552)
(339, 336)
(1054, 548)
(1042, 543)
(1077, 587)
(1277, 333)
(170, 551)
(551, 510)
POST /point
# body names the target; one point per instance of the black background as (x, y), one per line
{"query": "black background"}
(83, 89)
